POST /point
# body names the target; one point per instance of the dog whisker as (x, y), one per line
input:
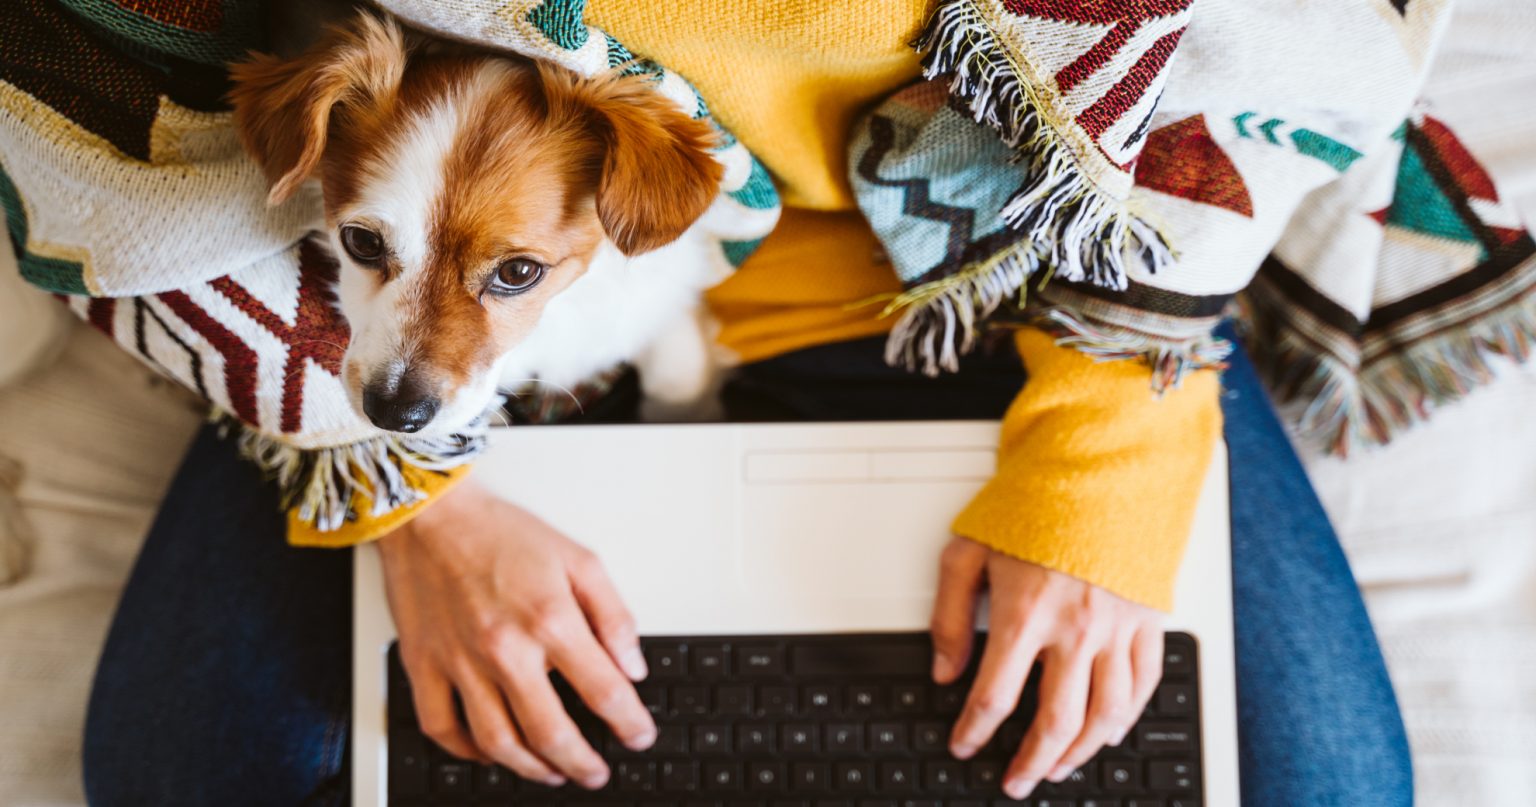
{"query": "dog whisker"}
(575, 400)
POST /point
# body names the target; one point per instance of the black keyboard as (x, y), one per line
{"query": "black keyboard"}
(816, 721)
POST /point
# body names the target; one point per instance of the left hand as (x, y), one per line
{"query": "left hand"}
(1102, 657)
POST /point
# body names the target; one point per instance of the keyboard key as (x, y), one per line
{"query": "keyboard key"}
(844, 738)
(690, 701)
(820, 699)
(898, 777)
(756, 739)
(1153, 738)
(407, 765)
(671, 739)
(1120, 776)
(1183, 801)
(767, 776)
(667, 660)
(949, 701)
(865, 699)
(1146, 803)
(654, 696)
(760, 660)
(986, 775)
(776, 700)
(1079, 780)
(1054, 802)
(943, 777)
(799, 738)
(680, 776)
(854, 776)
(894, 659)
(888, 738)
(722, 776)
(493, 780)
(1171, 776)
(712, 739)
(635, 776)
(1178, 663)
(930, 737)
(811, 776)
(909, 699)
(733, 700)
(1175, 700)
(451, 778)
(1100, 803)
(710, 660)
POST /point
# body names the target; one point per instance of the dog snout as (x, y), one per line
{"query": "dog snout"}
(406, 405)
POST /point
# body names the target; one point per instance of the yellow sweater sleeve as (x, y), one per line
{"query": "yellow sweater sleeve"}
(1096, 477)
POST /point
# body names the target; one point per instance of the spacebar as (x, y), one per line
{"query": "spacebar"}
(914, 658)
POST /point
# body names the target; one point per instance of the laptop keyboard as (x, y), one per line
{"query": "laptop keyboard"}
(816, 721)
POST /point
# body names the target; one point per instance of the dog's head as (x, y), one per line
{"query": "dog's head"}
(462, 192)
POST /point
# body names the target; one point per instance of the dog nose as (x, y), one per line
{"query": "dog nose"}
(402, 407)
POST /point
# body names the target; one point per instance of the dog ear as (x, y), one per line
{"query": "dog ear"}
(283, 106)
(658, 175)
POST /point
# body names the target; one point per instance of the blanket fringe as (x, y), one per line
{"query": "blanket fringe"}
(941, 320)
(323, 485)
(1170, 361)
(1345, 405)
(1084, 233)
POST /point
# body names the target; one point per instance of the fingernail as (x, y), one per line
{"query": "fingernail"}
(962, 750)
(1019, 788)
(1060, 772)
(1117, 738)
(642, 741)
(634, 664)
(943, 668)
(595, 781)
(554, 780)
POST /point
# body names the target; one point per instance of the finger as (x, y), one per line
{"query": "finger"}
(549, 731)
(494, 734)
(438, 717)
(1109, 703)
(1063, 701)
(1005, 664)
(954, 608)
(1146, 671)
(606, 612)
(603, 689)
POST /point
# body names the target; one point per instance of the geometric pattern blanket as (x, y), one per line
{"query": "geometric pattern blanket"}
(1117, 171)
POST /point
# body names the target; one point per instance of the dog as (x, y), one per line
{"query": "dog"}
(496, 220)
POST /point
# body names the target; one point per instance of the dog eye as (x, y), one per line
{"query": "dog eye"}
(517, 276)
(363, 244)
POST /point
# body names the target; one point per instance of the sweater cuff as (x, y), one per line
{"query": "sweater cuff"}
(1097, 477)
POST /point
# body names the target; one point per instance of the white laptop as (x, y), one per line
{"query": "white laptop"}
(782, 528)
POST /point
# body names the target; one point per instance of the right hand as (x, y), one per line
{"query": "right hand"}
(487, 599)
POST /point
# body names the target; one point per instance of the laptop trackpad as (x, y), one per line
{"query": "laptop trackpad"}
(853, 523)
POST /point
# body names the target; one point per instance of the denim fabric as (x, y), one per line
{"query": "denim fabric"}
(1318, 723)
(225, 678)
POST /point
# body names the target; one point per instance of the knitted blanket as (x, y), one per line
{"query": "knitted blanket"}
(1151, 159)
(1113, 170)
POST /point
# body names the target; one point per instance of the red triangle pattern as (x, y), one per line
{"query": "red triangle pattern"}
(1183, 160)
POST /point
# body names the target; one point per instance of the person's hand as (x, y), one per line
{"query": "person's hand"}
(488, 599)
(1102, 658)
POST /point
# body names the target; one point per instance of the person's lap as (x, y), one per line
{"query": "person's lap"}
(226, 675)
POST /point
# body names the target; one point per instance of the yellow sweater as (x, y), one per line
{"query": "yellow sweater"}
(1096, 478)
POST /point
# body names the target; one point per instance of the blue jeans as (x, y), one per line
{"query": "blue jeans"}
(226, 676)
